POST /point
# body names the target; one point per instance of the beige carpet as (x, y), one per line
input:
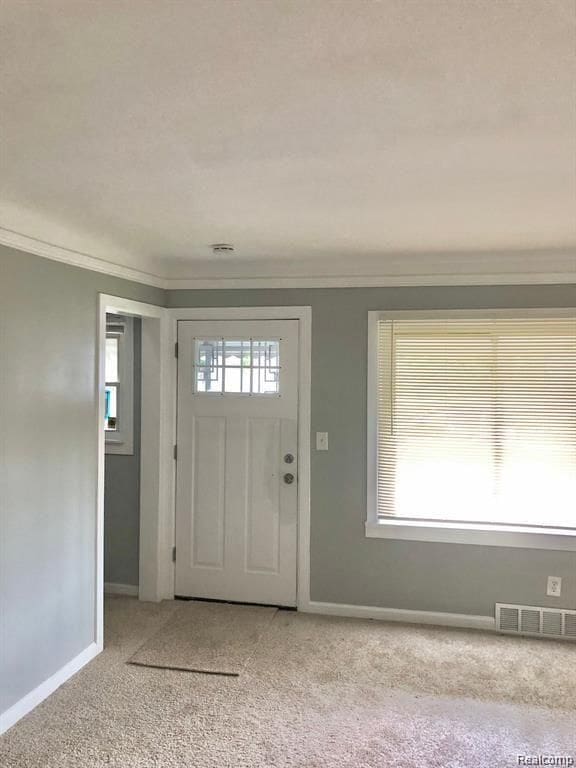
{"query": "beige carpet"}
(213, 638)
(320, 692)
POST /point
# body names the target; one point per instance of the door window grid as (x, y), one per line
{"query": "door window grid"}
(237, 366)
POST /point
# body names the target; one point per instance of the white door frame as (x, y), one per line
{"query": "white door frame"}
(158, 434)
(304, 316)
(157, 438)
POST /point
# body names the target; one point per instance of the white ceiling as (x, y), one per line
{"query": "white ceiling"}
(321, 137)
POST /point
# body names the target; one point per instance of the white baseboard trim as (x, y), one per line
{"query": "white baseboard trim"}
(398, 614)
(35, 697)
(111, 588)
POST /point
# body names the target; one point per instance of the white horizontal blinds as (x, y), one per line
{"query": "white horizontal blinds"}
(477, 421)
(115, 325)
(115, 330)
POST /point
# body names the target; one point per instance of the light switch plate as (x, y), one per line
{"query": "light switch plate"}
(321, 441)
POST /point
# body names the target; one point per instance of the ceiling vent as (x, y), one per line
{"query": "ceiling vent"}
(534, 621)
(219, 248)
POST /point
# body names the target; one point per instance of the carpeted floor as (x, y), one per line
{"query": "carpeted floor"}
(318, 692)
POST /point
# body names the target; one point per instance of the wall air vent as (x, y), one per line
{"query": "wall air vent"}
(534, 621)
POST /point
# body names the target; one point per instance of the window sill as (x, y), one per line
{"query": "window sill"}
(119, 447)
(481, 535)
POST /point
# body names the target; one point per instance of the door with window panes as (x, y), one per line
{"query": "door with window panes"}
(237, 460)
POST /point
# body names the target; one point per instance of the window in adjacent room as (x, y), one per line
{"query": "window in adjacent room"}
(475, 421)
(119, 387)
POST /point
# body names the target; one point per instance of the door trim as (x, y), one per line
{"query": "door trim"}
(304, 316)
(157, 437)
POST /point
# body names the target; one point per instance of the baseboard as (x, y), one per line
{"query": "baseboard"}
(110, 588)
(35, 697)
(398, 614)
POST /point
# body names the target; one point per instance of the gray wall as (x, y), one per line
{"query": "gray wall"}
(48, 495)
(48, 482)
(122, 494)
(346, 567)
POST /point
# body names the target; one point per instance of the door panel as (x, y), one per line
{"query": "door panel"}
(236, 517)
(207, 528)
(262, 507)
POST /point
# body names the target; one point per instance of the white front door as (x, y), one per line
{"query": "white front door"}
(237, 465)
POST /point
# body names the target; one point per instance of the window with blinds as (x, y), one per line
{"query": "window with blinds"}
(119, 384)
(477, 421)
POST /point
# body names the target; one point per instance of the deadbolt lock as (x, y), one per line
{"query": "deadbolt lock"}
(288, 478)
(289, 458)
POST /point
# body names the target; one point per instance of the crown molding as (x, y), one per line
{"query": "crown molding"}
(457, 276)
(21, 242)
(372, 281)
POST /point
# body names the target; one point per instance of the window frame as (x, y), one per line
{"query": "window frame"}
(121, 441)
(447, 531)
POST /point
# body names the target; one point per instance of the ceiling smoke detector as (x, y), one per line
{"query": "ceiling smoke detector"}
(222, 248)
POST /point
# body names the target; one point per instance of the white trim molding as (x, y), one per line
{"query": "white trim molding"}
(21, 708)
(304, 316)
(435, 618)
(46, 250)
(543, 267)
(378, 280)
(524, 537)
(112, 588)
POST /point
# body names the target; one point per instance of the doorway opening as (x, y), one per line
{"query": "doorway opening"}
(135, 442)
(122, 422)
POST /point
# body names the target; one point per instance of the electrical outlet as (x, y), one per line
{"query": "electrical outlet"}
(321, 441)
(554, 588)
